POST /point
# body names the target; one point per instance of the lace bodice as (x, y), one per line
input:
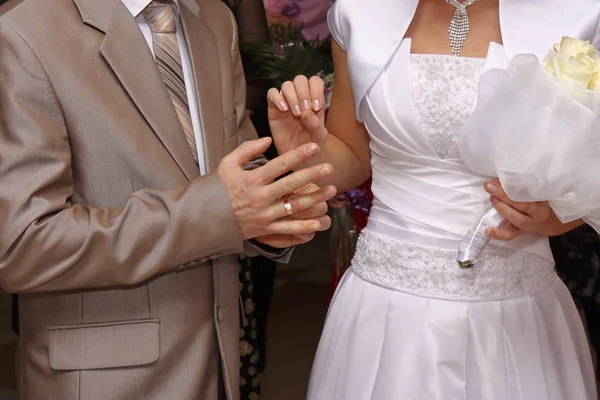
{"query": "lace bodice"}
(444, 89)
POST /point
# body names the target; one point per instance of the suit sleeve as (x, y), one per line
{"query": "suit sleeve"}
(49, 244)
(246, 132)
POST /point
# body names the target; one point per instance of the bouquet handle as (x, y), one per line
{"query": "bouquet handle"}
(472, 245)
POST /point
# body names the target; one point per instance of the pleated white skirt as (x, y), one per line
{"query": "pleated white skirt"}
(385, 344)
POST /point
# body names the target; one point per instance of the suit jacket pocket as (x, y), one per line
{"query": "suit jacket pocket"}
(230, 126)
(104, 345)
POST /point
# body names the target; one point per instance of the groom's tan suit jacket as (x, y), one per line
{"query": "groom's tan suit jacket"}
(124, 256)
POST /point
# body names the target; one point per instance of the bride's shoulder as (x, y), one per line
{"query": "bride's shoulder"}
(340, 18)
(366, 18)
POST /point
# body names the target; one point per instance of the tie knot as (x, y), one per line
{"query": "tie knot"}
(160, 16)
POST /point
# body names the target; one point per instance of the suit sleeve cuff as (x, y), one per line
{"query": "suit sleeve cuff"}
(253, 248)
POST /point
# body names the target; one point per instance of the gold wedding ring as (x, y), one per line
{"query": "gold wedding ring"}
(288, 208)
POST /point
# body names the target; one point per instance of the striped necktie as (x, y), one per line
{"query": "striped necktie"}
(161, 18)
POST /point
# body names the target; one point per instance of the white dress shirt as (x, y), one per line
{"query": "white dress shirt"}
(136, 7)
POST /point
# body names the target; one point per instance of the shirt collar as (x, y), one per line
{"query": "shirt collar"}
(135, 7)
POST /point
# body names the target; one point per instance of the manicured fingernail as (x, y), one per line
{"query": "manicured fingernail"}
(326, 169)
(489, 233)
(297, 109)
(330, 192)
(316, 104)
(283, 106)
(306, 105)
(491, 187)
(312, 149)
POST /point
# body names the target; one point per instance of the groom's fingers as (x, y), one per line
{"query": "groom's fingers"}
(285, 241)
(298, 180)
(285, 163)
(315, 211)
(291, 227)
(325, 222)
(302, 202)
(246, 152)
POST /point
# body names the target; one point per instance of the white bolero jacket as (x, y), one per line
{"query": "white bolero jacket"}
(371, 31)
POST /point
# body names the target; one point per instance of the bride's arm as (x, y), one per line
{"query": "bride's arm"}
(347, 145)
(344, 142)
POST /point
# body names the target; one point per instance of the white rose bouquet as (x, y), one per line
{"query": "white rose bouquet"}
(574, 62)
(537, 128)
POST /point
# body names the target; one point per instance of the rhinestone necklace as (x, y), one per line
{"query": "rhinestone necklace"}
(459, 27)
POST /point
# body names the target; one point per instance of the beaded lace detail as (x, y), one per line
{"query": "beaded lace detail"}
(444, 89)
(405, 267)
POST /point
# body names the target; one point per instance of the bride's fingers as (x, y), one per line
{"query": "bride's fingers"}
(512, 215)
(315, 125)
(289, 93)
(537, 211)
(311, 121)
(275, 98)
(508, 233)
(317, 93)
(303, 91)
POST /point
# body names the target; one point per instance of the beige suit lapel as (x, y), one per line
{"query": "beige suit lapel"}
(205, 63)
(126, 51)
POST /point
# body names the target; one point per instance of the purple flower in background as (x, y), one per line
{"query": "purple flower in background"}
(360, 199)
(312, 14)
(291, 10)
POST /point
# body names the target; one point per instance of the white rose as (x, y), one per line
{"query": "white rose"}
(573, 47)
(573, 61)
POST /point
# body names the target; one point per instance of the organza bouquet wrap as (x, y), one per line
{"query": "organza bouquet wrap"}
(540, 136)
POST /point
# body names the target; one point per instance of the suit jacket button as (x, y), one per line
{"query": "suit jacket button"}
(220, 313)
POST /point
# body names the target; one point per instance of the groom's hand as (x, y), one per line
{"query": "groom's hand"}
(318, 211)
(259, 201)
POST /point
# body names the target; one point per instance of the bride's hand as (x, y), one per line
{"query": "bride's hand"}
(524, 217)
(297, 113)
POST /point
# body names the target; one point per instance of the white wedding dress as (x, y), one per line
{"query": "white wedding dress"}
(406, 322)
